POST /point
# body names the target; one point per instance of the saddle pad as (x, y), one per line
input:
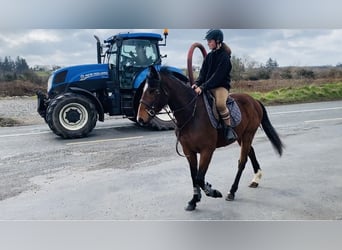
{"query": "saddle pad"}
(233, 107)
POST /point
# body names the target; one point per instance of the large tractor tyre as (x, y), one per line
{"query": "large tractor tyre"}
(162, 121)
(71, 116)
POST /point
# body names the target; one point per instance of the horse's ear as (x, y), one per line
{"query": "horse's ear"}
(153, 73)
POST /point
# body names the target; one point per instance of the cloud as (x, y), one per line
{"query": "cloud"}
(290, 47)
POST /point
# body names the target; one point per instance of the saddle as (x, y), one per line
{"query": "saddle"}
(214, 117)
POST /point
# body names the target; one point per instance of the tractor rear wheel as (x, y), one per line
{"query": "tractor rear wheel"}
(162, 121)
(71, 116)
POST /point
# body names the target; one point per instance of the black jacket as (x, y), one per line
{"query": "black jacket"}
(215, 71)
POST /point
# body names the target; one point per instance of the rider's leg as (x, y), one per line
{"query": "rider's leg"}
(221, 96)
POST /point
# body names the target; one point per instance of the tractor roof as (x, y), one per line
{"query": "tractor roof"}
(125, 36)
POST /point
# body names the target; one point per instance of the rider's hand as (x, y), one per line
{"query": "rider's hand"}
(198, 90)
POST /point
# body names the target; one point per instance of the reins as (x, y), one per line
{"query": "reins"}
(151, 112)
(179, 129)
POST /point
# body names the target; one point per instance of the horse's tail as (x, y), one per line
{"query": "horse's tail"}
(270, 131)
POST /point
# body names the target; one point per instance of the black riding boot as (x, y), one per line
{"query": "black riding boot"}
(229, 133)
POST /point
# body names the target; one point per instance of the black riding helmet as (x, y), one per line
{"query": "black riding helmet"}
(214, 34)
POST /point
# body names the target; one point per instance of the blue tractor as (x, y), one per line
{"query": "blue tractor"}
(78, 96)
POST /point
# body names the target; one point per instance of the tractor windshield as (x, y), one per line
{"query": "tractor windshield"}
(138, 52)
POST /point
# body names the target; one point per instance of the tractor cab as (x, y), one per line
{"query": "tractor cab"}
(127, 56)
(129, 53)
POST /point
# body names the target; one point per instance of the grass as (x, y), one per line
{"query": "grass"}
(300, 94)
(8, 122)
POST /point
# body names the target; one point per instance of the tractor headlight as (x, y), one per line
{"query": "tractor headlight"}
(49, 85)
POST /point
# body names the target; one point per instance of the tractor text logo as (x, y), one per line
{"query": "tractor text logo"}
(103, 74)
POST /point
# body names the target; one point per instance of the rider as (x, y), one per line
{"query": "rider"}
(140, 57)
(215, 76)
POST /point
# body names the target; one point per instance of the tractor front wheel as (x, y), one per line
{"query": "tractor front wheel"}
(71, 116)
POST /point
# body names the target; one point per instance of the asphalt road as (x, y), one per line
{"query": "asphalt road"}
(122, 172)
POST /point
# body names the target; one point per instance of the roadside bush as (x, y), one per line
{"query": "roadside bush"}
(19, 88)
(286, 74)
(305, 73)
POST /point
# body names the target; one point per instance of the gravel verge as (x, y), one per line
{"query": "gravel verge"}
(19, 110)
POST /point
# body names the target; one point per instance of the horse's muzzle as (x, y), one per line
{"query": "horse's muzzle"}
(141, 122)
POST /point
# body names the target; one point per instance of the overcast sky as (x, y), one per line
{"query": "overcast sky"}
(290, 47)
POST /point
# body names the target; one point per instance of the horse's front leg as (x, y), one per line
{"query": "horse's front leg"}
(202, 170)
(192, 159)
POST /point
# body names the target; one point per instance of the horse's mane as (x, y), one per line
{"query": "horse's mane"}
(180, 82)
(164, 70)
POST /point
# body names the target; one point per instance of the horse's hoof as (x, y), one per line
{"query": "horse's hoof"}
(211, 192)
(230, 197)
(190, 207)
(254, 185)
(217, 194)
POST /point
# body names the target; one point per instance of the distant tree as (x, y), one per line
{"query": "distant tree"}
(264, 72)
(7, 65)
(55, 67)
(21, 65)
(271, 64)
(11, 70)
(238, 68)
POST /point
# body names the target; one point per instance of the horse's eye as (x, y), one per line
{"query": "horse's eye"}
(153, 91)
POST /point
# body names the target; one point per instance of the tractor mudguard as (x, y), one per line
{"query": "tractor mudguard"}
(140, 78)
(95, 100)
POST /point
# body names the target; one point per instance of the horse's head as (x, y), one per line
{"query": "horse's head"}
(153, 98)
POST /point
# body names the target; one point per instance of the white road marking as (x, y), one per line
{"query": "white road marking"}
(324, 120)
(25, 134)
(304, 110)
(105, 140)
(46, 132)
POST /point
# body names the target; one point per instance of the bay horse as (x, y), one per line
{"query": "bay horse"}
(195, 132)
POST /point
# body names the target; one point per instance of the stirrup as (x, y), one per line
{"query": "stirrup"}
(229, 134)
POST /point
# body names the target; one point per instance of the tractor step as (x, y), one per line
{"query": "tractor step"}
(127, 105)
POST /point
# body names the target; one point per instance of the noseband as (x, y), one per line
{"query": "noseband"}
(150, 108)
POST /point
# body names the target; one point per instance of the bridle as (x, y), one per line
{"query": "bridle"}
(150, 109)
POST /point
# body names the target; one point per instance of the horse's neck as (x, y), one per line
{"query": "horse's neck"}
(182, 101)
(179, 95)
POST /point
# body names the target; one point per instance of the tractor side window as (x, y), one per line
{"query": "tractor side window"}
(151, 53)
(113, 55)
(126, 57)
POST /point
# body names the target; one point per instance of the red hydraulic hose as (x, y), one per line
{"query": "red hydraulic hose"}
(189, 60)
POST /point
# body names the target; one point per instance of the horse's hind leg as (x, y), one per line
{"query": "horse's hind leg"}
(256, 168)
(245, 149)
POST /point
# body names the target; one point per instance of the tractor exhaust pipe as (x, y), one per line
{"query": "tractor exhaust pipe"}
(98, 49)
